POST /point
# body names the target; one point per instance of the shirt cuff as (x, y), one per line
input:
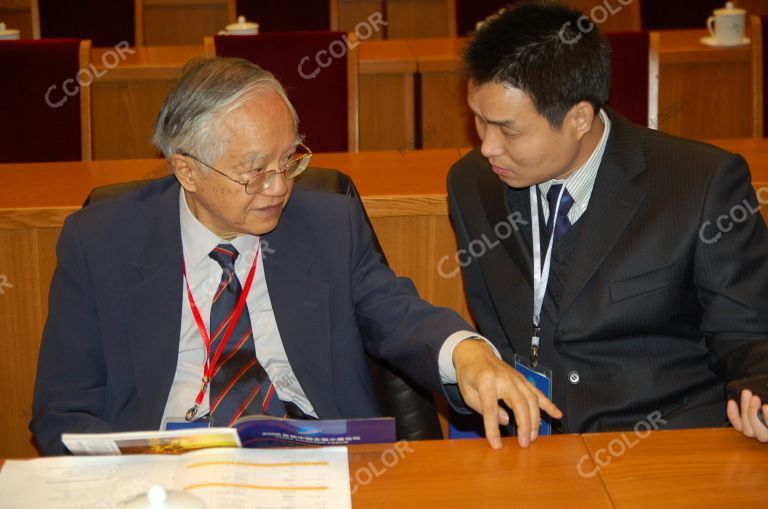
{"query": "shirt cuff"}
(445, 358)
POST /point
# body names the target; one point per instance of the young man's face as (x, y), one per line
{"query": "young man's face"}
(521, 146)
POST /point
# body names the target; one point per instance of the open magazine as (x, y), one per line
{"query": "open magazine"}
(265, 431)
(252, 431)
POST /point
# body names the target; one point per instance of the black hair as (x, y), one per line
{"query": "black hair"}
(552, 52)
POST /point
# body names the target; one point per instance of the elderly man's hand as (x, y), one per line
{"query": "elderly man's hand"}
(484, 379)
(744, 418)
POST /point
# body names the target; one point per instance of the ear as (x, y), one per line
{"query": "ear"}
(581, 117)
(185, 170)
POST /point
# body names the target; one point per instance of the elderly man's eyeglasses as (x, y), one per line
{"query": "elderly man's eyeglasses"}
(260, 180)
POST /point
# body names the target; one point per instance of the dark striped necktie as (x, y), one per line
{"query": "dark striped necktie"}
(561, 223)
(239, 384)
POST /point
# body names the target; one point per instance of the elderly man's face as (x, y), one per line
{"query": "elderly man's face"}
(260, 135)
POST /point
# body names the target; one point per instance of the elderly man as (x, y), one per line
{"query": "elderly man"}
(223, 290)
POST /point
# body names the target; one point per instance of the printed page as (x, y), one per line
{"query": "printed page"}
(85, 482)
(307, 478)
(223, 478)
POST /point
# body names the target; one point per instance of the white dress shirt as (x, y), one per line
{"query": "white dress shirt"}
(204, 275)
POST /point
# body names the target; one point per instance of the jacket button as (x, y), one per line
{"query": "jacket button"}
(574, 377)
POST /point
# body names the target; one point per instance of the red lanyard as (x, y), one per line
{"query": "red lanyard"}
(210, 364)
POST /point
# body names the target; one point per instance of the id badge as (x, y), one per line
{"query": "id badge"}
(541, 378)
(176, 423)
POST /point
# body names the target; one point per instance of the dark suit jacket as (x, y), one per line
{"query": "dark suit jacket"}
(110, 345)
(652, 318)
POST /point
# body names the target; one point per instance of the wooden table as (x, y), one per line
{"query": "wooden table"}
(126, 99)
(700, 468)
(688, 468)
(691, 468)
(17, 14)
(404, 193)
(704, 92)
(469, 474)
(175, 22)
(386, 96)
(446, 120)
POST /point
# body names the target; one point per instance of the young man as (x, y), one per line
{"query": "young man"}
(608, 270)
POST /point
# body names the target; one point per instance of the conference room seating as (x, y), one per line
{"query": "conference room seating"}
(281, 16)
(178, 22)
(45, 100)
(106, 23)
(319, 73)
(634, 88)
(414, 408)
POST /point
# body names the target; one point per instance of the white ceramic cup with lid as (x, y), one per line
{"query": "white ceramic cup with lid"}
(242, 27)
(727, 25)
(159, 498)
(7, 34)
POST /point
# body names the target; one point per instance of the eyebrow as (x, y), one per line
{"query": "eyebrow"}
(252, 157)
(500, 123)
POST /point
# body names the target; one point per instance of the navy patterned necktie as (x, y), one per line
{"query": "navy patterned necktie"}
(562, 224)
(239, 384)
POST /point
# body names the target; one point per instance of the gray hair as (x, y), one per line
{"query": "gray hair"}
(207, 90)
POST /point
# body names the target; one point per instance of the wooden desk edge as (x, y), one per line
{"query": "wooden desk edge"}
(376, 206)
(387, 67)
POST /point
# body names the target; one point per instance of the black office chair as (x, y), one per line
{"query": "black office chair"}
(413, 407)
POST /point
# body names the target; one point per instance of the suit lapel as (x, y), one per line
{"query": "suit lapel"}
(153, 307)
(494, 199)
(300, 304)
(614, 201)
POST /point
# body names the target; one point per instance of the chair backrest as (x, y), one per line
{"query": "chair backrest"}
(281, 16)
(319, 73)
(106, 23)
(45, 99)
(634, 88)
(414, 408)
(759, 71)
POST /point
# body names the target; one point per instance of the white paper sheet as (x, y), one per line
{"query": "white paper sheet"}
(315, 478)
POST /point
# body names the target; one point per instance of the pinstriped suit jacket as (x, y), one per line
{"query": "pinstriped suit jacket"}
(655, 316)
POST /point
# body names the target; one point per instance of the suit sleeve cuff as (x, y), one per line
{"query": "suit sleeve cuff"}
(445, 357)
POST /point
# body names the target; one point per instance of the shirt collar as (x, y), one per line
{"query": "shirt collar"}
(198, 241)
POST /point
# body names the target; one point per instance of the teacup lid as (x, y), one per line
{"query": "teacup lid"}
(242, 24)
(729, 9)
(159, 498)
